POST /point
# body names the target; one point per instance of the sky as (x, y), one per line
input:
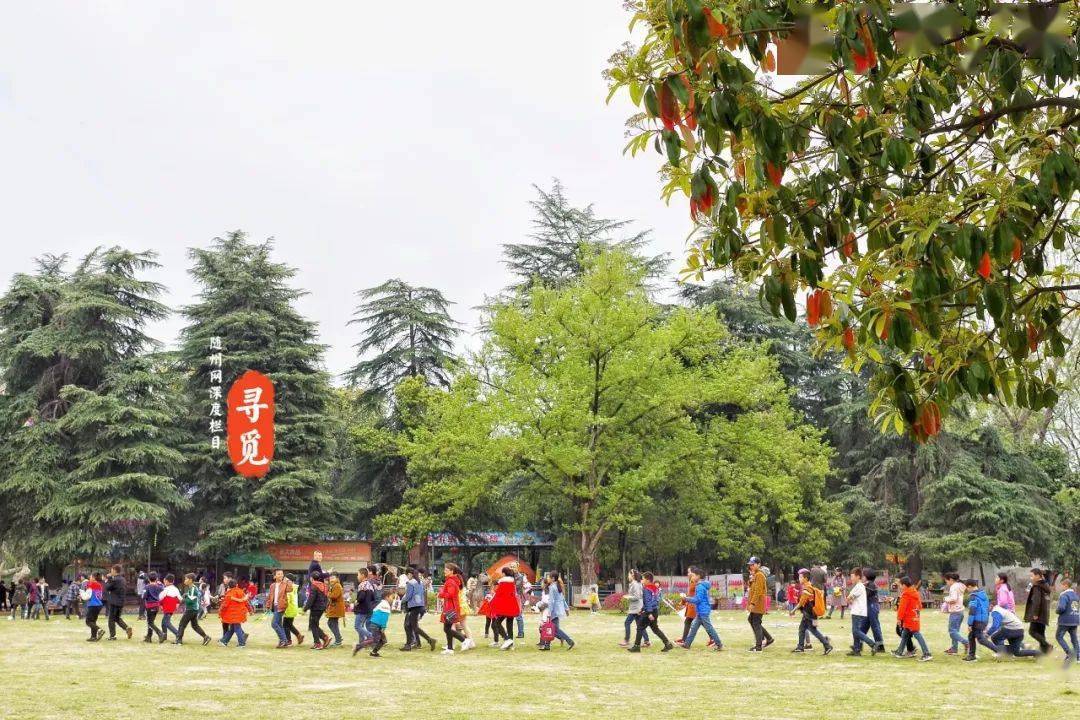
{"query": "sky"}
(370, 139)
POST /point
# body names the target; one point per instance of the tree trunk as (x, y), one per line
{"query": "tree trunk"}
(622, 554)
(914, 566)
(588, 559)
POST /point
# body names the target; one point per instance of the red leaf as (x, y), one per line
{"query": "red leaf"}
(669, 107)
(813, 309)
(1018, 250)
(775, 173)
(984, 266)
(717, 29)
(848, 339)
(849, 245)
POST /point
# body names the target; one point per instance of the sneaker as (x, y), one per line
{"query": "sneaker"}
(570, 645)
(909, 654)
(162, 639)
(130, 632)
(494, 644)
(146, 639)
(544, 647)
(507, 645)
(280, 646)
(177, 642)
(926, 658)
(768, 642)
(406, 648)
(647, 643)
(680, 642)
(300, 640)
(222, 643)
(854, 653)
(667, 648)
(634, 649)
(799, 650)
(432, 643)
(337, 643)
(447, 651)
(356, 648)
(624, 643)
(374, 653)
(828, 649)
(969, 658)
(205, 641)
(469, 644)
(898, 654)
(950, 651)
(753, 649)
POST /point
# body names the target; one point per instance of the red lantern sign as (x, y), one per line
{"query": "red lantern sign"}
(250, 424)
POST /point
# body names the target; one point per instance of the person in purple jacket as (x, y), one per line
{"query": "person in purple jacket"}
(703, 605)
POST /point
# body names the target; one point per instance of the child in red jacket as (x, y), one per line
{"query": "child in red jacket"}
(907, 614)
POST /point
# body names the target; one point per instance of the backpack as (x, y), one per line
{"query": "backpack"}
(547, 631)
(819, 602)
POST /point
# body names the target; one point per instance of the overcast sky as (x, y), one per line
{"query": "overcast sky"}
(370, 139)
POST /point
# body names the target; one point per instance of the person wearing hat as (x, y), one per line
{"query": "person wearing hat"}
(755, 605)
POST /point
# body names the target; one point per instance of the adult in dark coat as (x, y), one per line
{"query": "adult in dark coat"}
(1037, 611)
(115, 592)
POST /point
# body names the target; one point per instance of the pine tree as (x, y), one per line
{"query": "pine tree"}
(61, 331)
(245, 300)
(412, 333)
(123, 485)
(564, 236)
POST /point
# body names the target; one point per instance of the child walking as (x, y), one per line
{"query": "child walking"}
(703, 609)
(93, 596)
(555, 608)
(380, 620)
(633, 605)
(450, 594)
(335, 607)
(1068, 612)
(292, 609)
(907, 614)
(233, 614)
(170, 601)
(978, 618)
(856, 599)
(151, 601)
(192, 597)
(811, 605)
(505, 607)
(953, 605)
(650, 614)
(315, 605)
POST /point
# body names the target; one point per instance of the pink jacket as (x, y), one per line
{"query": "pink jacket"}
(1005, 597)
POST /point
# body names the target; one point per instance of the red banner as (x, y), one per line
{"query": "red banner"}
(250, 424)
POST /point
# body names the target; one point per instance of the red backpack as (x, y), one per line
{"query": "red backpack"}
(547, 631)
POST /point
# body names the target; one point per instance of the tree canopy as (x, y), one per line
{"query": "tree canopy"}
(410, 331)
(591, 401)
(912, 188)
(245, 299)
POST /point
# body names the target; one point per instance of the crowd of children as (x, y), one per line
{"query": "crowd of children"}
(502, 603)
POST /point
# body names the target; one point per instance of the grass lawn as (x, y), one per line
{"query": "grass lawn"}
(48, 671)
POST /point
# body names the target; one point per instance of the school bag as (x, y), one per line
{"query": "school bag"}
(547, 631)
(819, 602)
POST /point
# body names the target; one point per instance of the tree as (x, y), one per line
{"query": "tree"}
(588, 405)
(564, 236)
(61, 331)
(412, 332)
(913, 186)
(245, 300)
(123, 487)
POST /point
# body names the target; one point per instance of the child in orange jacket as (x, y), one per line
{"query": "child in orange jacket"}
(907, 614)
(233, 614)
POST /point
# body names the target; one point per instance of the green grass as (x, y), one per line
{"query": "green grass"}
(48, 671)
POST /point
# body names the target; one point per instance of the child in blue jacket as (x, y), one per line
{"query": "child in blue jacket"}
(703, 605)
(978, 617)
(1068, 612)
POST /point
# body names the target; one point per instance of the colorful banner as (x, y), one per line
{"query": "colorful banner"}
(250, 424)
